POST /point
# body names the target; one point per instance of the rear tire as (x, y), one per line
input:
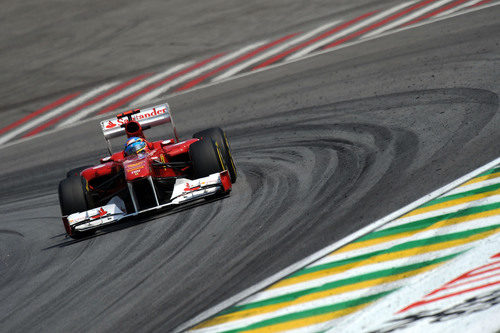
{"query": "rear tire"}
(206, 158)
(219, 137)
(73, 198)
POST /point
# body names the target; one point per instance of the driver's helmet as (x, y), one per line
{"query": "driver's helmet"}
(135, 146)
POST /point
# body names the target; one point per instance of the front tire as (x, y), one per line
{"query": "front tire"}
(73, 198)
(72, 195)
(206, 158)
(220, 138)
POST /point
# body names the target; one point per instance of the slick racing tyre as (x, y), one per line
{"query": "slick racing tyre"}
(73, 198)
(206, 158)
(219, 137)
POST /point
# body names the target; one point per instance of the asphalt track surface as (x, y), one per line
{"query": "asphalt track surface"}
(324, 146)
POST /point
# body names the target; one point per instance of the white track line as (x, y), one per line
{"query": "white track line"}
(378, 17)
(124, 93)
(335, 246)
(457, 8)
(407, 18)
(58, 110)
(160, 90)
(282, 47)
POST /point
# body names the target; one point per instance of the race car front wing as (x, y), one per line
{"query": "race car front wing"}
(184, 191)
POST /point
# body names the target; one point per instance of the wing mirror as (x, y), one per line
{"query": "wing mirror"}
(105, 159)
(167, 142)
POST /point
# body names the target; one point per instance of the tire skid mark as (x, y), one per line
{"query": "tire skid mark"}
(339, 161)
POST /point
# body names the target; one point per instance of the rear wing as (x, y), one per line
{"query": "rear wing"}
(147, 118)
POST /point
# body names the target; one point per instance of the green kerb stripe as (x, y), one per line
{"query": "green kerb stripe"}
(313, 312)
(461, 195)
(339, 283)
(400, 247)
(426, 223)
(489, 172)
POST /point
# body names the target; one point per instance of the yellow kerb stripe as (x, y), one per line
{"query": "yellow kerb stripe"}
(451, 203)
(481, 179)
(311, 297)
(382, 258)
(456, 220)
(309, 320)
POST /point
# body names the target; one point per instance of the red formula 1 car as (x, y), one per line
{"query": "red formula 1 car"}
(147, 175)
